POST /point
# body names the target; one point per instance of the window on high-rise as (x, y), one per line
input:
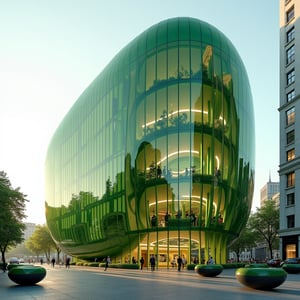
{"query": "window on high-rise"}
(290, 95)
(290, 54)
(290, 199)
(290, 179)
(290, 154)
(290, 116)
(290, 77)
(290, 14)
(290, 137)
(290, 221)
(290, 35)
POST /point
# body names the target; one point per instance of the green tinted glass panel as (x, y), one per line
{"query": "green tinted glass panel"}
(157, 155)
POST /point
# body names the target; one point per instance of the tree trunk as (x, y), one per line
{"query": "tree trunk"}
(271, 250)
(3, 260)
(58, 253)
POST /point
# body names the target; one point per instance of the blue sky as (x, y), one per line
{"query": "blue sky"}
(51, 50)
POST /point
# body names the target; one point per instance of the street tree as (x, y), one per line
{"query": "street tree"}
(41, 241)
(265, 224)
(12, 214)
(34, 249)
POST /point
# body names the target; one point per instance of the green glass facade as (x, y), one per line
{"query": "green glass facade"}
(157, 155)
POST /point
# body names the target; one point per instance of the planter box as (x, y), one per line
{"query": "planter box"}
(257, 265)
(291, 268)
(261, 278)
(27, 275)
(209, 270)
(10, 266)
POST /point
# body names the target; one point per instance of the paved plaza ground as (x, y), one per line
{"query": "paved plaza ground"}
(87, 283)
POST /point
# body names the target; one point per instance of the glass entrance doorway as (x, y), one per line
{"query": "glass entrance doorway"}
(167, 251)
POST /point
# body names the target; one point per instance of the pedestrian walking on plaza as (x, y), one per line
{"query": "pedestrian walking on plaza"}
(107, 262)
(68, 263)
(183, 262)
(53, 262)
(142, 262)
(179, 263)
(152, 262)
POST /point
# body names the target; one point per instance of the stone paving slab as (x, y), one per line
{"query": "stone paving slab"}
(94, 283)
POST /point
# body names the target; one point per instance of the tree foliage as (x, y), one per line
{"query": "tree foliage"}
(265, 224)
(12, 213)
(41, 241)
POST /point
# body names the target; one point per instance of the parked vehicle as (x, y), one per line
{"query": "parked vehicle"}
(274, 263)
(293, 260)
(14, 260)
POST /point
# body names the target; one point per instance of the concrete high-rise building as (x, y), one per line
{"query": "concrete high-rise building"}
(289, 111)
(29, 230)
(268, 191)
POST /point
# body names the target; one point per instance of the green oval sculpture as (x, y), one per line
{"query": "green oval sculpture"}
(209, 270)
(27, 275)
(262, 265)
(291, 268)
(10, 266)
(261, 278)
(158, 152)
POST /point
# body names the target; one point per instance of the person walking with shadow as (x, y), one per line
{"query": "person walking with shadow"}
(107, 262)
(53, 262)
(68, 260)
(142, 262)
(152, 262)
(179, 263)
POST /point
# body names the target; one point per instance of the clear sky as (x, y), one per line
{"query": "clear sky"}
(51, 50)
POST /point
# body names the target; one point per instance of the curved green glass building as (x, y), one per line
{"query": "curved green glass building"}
(157, 155)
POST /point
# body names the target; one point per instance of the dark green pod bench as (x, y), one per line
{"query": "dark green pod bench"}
(262, 265)
(27, 275)
(291, 268)
(261, 278)
(209, 270)
(10, 266)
